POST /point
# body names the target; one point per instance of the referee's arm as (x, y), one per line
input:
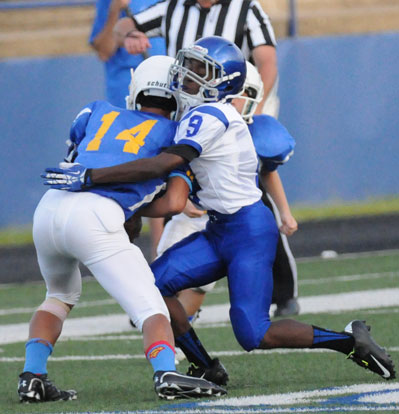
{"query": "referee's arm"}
(262, 41)
(265, 59)
(128, 36)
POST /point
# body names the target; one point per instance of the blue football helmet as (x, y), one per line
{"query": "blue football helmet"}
(213, 69)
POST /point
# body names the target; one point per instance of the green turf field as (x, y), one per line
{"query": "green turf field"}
(111, 375)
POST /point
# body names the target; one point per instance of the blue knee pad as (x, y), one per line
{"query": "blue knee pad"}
(249, 331)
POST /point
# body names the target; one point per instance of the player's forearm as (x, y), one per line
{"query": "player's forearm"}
(171, 203)
(122, 28)
(274, 187)
(134, 171)
(106, 43)
(266, 62)
(139, 170)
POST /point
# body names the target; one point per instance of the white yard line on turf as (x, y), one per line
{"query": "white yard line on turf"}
(347, 278)
(86, 304)
(117, 323)
(219, 289)
(214, 354)
(378, 253)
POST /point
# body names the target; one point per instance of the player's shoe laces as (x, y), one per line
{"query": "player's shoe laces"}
(38, 388)
(216, 373)
(172, 385)
(367, 353)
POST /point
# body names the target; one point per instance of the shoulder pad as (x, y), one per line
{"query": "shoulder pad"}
(271, 139)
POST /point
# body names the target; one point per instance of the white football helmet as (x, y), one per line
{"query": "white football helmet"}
(253, 88)
(151, 79)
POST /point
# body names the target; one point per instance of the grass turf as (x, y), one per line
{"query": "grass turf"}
(126, 385)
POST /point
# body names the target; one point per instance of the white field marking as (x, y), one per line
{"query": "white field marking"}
(302, 397)
(306, 410)
(254, 409)
(111, 357)
(344, 278)
(118, 323)
(86, 304)
(218, 289)
(378, 253)
(86, 278)
(340, 302)
(134, 337)
(73, 327)
(347, 278)
(381, 311)
(391, 398)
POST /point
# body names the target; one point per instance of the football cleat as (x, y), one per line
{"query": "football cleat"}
(216, 372)
(367, 353)
(171, 385)
(34, 388)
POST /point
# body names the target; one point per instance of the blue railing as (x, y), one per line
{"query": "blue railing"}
(13, 5)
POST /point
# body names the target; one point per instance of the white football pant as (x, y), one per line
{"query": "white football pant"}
(69, 228)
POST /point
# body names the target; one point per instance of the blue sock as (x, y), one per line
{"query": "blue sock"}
(36, 355)
(161, 356)
(337, 341)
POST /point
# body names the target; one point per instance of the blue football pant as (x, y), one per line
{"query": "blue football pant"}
(241, 246)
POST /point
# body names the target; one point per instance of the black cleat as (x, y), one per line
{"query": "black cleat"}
(367, 353)
(216, 372)
(171, 385)
(288, 308)
(38, 388)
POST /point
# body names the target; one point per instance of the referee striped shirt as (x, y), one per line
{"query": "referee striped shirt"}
(182, 22)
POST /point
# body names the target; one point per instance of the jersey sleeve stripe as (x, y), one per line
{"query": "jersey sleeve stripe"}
(182, 175)
(240, 30)
(168, 18)
(192, 144)
(265, 26)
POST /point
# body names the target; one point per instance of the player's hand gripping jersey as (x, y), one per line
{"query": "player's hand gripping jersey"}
(103, 135)
(226, 169)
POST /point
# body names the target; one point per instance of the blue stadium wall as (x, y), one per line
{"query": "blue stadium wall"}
(339, 99)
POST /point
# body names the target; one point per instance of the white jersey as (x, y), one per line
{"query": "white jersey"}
(226, 169)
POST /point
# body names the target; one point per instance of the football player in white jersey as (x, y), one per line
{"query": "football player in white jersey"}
(88, 227)
(275, 147)
(215, 140)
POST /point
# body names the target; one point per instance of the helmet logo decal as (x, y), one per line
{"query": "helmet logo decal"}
(200, 49)
(157, 83)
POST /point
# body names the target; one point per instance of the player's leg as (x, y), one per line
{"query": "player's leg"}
(354, 341)
(62, 277)
(176, 229)
(191, 262)
(252, 325)
(122, 270)
(192, 299)
(249, 249)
